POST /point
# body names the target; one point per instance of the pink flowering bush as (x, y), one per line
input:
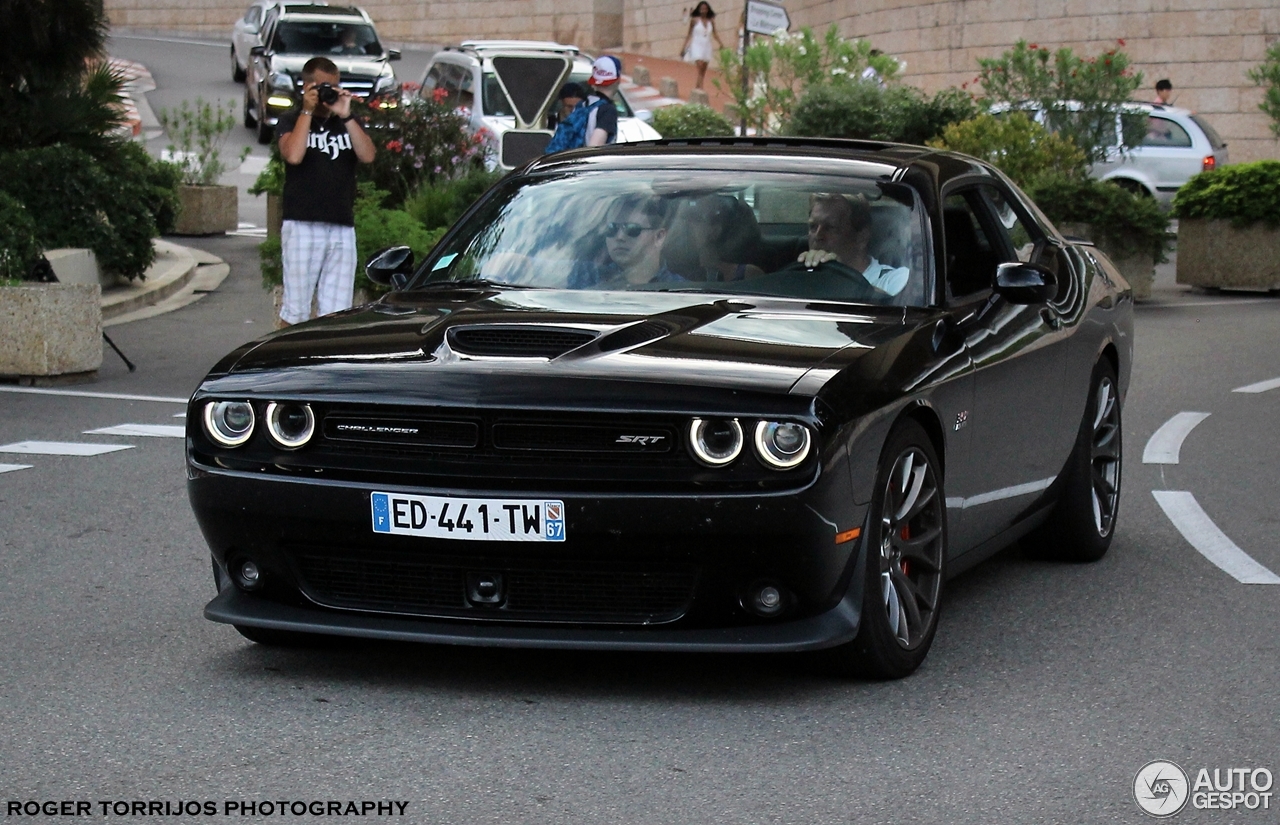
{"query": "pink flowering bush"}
(419, 141)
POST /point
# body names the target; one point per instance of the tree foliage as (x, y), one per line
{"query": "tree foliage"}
(865, 111)
(1016, 145)
(1082, 96)
(690, 120)
(1267, 76)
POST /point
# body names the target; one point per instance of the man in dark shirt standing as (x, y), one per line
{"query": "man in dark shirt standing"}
(321, 145)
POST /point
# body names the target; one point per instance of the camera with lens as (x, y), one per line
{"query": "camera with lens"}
(328, 93)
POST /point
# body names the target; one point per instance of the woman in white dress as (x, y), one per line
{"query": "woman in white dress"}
(697, 43)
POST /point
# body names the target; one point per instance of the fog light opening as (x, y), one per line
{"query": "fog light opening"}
(248, 575)
(765, 599)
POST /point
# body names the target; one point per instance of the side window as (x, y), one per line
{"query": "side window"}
(253, 16)
(430, 82)
(971, 257)
(1161, 131)
(1019, 239)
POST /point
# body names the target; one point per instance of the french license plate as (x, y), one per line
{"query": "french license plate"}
(479, 519)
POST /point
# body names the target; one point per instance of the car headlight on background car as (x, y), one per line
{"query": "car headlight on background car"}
(290, 425)
(782, 444)
(228, 423)
(715, 441)
(281, 81)
(386, 83)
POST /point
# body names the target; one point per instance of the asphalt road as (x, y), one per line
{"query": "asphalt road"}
(1048, 688)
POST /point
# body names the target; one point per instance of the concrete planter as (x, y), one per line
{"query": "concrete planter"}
(50, 329)
(208, 210)
(1216, 255)
(275, 214)
(1138, 269)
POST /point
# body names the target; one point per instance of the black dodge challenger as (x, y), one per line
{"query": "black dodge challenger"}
(720, 395)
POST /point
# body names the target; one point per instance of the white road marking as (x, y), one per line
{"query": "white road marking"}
(1198, 529)
(62, 448)
(252, 165)
(1166, 442)
(156, 430)
(221, 45)
(1226, 302)
(180, 415)
(9, 468)
(1001, 494)
(82, 394)
(1261, 386)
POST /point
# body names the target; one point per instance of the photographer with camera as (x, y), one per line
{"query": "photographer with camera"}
(321, 144)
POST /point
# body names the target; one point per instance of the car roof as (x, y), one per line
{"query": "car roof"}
(816, 155)
(322, 12)
(516, 45)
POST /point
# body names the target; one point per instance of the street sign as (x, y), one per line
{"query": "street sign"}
(766, 18)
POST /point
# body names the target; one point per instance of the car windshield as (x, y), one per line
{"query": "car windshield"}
(496, 103)
(696, 231)
(325, 38)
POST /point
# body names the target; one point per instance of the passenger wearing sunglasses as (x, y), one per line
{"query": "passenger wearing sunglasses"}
(634, 232)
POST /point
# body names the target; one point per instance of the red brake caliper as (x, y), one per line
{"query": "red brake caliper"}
(905, 533)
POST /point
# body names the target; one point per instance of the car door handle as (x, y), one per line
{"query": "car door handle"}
(1051, 318)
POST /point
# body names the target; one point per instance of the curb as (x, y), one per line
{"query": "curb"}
(173, 269)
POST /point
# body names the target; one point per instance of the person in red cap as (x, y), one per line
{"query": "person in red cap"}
(602, 123)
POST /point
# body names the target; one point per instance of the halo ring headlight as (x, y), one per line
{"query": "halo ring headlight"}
(715, 441)
(228, 423)
(782, 445)
(290, 425)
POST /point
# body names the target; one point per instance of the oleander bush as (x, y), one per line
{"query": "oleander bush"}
(1016, 145)
(690, 120)
(1245, 194)
(867, 111)
(1267, 75)
(1130, 223)
(19, 249)
(419, 141)
(198, 132)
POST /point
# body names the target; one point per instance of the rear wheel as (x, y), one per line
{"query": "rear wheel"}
(1084, 520)
(1132, 187)
(237, 73)
(906, 549)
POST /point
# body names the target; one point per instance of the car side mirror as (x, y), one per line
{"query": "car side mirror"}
(393, 54)
(645, 116)
(1027, 283)
(258, 51)
(391, 267)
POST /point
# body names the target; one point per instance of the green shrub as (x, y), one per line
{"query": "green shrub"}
(1130, 223)
(146, 181)
(419, 142)
(1267, 75)
(1016, 145)
(19, 250)
(198, 133)
(1245, 194)
(75, 203)
(690, 120)
(439, 205)
(377, 227)
(865, 111)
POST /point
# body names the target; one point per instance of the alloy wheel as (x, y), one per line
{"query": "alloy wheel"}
(911, 547)
(1104, 457)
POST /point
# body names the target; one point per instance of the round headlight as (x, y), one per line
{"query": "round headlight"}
(782, 444)
(715, 441)
(228, 423)
(290, 425)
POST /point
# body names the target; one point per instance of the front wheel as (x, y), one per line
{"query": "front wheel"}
(237, 73)
(1083, 522)
(265, 131)
(905, 545)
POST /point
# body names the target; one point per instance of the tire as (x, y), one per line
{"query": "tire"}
(265, 133)
(1132, 187)
(905, 547)
(1083, 522)
(237, 73)
(250, 119)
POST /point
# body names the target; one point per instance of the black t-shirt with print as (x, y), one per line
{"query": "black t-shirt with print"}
(323, 187)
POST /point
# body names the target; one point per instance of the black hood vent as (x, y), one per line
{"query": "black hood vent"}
(517, 341)
(633, 336)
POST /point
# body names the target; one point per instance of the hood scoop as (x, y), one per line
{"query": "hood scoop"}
(510, 341)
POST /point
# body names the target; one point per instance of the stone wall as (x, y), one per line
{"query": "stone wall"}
(1204, 46)
(568, 21)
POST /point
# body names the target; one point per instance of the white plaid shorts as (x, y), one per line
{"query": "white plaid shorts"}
(319, 262)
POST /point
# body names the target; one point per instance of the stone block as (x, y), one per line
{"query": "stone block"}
(50, 329)
(640, 75)
(207, 210)
(699, 96)
(668, 87)
(1215, 254)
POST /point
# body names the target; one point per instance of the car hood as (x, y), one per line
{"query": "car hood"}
(415, 346)
(347, 64)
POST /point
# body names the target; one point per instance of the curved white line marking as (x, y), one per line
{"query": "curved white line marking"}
(1164, 444)
(9, 468)
(1198, 529)
(1261, 386)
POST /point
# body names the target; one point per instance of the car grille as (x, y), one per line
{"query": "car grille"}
(360, 87)
(550, 592)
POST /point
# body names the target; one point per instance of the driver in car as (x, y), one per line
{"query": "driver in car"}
(839, 231)
(634, 231)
